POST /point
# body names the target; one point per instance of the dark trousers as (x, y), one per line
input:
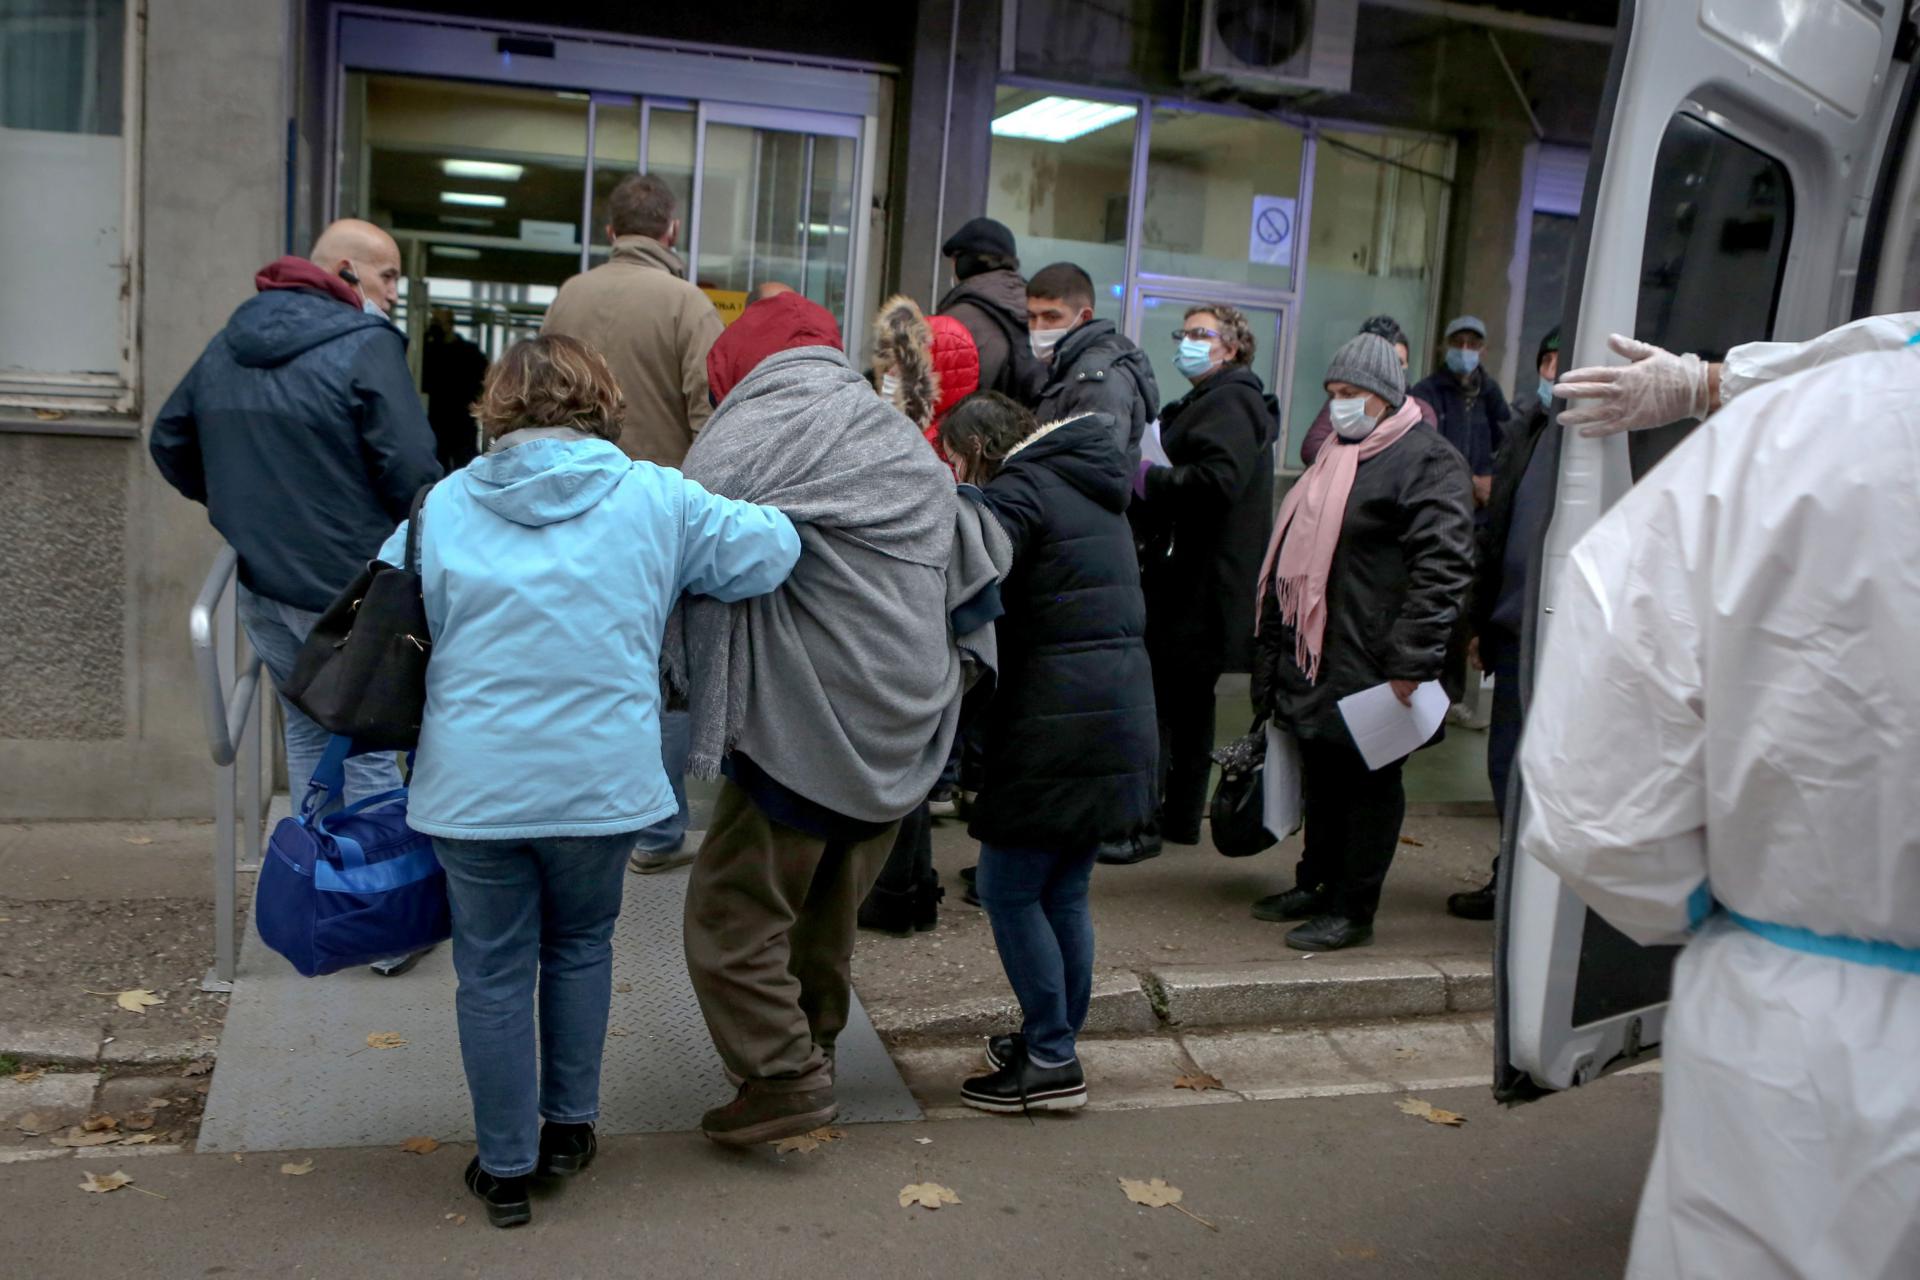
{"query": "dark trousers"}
(1183, 696)
(910, 863)
(1502, 658)
(1353, 825)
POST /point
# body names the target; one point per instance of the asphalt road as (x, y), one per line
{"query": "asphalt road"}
(1315, 1187)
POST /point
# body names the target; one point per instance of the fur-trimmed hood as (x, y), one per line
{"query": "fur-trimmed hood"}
(934, 362)
(1083, 452)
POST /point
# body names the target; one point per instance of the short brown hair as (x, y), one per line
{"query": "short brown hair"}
(1234, 329)
(550, 381)
(642, 205)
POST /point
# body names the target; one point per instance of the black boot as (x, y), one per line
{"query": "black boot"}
(1295, 904)
(566, 1149)
(508, 1203)
(889, 911)
(1329, 933)
(1475, 904)
(927, 897)
(1122, 853)
(1003, 1049)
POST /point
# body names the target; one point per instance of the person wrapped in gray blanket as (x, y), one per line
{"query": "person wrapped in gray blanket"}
(829, 705)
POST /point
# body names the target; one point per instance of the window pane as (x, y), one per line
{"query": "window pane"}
(776, 206)
(1159, 317)
(616, 153)
(1221, 195)
(1374, 249)
(1066, 201)
(670, 153)
(1718, 224)
(60, 199)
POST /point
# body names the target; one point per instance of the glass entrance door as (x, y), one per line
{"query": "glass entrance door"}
(1163, 312)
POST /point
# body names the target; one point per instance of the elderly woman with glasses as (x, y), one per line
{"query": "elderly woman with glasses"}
(1203, 522)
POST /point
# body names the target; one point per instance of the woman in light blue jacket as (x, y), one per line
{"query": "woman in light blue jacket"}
(549, 566)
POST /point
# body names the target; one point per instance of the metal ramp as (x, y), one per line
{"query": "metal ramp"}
(295, 1072)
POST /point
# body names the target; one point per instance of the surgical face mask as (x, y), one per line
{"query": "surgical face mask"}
(1194, 357)
(1462, 361)
(890, 386)
(1043, 341)
(1350, 418)
(1545, 392)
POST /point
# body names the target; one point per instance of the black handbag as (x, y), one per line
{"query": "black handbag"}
(1237, 813)
(363, 669)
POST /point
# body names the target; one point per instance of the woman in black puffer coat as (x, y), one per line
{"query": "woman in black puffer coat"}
(1070, 737)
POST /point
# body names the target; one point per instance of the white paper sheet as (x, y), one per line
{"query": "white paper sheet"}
(1150, 447)
(1280, 808)
(1384, 730)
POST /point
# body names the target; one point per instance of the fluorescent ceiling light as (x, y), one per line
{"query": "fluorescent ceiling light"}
(461, 220)
(454, 251)
(1060, 119)
(492, 169)
(475, 199)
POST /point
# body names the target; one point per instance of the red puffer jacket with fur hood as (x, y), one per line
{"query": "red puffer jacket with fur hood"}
(934, 363)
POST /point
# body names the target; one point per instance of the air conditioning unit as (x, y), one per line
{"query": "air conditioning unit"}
(1271, 46)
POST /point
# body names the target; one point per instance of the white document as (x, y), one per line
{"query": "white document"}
(1280, 809)
(1384, 730)
(1150, 447)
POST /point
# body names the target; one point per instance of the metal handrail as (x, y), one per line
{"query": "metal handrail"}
(234, 714)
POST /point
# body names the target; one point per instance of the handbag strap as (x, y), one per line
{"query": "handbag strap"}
(413, 528)
(329, 777)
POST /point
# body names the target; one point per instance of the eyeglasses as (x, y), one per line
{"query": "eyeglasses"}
(1181, 335)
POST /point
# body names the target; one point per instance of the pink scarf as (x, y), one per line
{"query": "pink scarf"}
(1300, 553)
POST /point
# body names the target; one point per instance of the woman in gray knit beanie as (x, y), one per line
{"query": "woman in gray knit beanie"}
(1388, 502)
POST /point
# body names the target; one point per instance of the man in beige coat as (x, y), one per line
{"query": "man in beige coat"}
(654, 329)
(638, 310)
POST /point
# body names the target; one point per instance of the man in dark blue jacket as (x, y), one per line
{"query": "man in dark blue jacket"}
(300, 430)
(1471, 408)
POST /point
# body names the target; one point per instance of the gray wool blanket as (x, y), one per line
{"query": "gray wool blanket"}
(843, 683)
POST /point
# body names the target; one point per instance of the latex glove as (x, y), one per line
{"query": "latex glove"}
(1658, 387)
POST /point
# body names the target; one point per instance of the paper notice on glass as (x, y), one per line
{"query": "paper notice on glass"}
(1385, 730)
(1150, 447)
(1280, 808)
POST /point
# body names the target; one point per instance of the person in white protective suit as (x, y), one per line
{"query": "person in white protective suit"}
(1724, 749)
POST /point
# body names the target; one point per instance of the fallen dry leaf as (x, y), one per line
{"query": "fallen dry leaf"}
(161, 1104)
(1430, 1113)
(33, 1124)
(1156, 1194)
(133, 1000)
(104, 1182)
(81, 1138)
(928, 1195)
(27, 1075)
(139, 839)
(618, 1031)
(139, 1139)
(198, 1067)
(385, 1040)
(139, 1121)
(457, 1219)
(420, 1146)
(296, 1170)
(622, 988)
(1199, 1083)
(925, 1142)
(807, 1142)
(98, 1123)
(1418, 844)
(50, 415)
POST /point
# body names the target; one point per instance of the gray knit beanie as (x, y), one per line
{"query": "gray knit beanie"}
(1369, 361)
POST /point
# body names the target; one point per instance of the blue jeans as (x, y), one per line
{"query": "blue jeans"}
(1036, 901)
(277, 631)
(532, 919)
(676, 743)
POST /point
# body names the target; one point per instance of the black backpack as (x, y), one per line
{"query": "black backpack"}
(1024, 376)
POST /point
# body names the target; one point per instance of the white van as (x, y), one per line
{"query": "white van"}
(1755, 176)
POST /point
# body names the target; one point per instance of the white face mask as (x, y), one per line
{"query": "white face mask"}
(1043, 341)
(1350, 418)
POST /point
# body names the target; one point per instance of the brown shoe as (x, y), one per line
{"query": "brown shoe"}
(758, 1115)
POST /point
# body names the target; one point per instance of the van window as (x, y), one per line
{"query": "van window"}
(1718, 226)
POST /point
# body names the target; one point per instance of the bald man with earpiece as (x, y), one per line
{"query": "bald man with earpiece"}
(300, 431)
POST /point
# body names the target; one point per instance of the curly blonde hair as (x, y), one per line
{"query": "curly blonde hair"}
(1234, 329)
(550, 381)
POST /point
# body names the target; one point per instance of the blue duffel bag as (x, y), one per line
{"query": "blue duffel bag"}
(351, 887)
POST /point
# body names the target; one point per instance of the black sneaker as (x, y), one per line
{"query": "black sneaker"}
(1294, 904)
(1020, 1086)
(507, 1201)
(968, 873)
(566, 1149)
(1329, 933)
(927, 897)
(1003, 1049)
(1475, 904)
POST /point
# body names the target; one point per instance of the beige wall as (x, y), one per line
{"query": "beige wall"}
(216, 95)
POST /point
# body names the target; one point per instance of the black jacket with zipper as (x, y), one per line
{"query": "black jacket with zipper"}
(1070, 738)
(1206, 520)
(1096, 369)
(1400, 576)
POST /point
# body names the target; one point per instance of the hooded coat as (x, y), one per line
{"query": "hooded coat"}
(932, 359)
(993, 307)
(299, 429)
(548, 568)
(1215, 506)
(1096, 369)
(1071, 740)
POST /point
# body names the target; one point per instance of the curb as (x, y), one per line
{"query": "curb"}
(90, 1046)
(1119, 1006)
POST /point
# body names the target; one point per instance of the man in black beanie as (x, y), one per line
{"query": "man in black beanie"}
(989, 297)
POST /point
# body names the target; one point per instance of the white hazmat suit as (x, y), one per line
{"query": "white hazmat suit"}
(1724, 748)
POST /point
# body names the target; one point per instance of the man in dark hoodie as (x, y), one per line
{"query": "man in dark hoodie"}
(989, 297)
(300, 431)
(1092, 367)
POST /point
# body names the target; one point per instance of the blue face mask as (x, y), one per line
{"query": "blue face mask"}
(1546, 392)
(1462, 361)
(1194, 357)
